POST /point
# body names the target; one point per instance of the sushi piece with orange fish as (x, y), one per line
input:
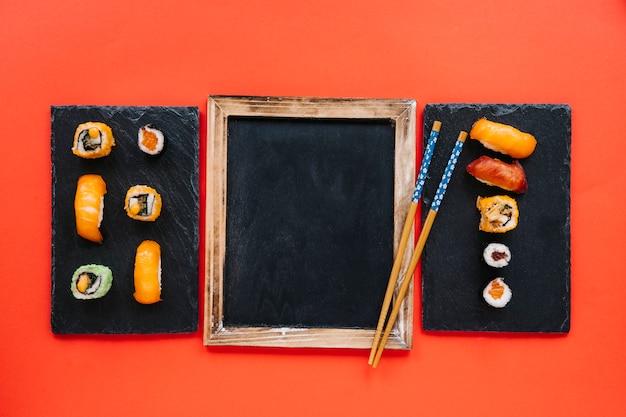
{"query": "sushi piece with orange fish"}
(147, 275)
(89, 206)
(503, 138)
(143, 203)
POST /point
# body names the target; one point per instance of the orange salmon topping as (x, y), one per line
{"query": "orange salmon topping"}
(496, 290)
(149, 139)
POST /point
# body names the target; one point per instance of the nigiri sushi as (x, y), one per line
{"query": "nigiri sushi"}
(497, 293)
(93, 140)
(89, 206)
(143, 203)
(147, 276)
(503, 138)
(91, 281)
(150, 140)
(498, 214)
(492, 171)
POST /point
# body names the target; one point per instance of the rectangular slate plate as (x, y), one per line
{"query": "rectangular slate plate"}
(174, 174)
(453, 272)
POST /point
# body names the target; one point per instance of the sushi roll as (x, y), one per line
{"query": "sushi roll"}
(497, 293)
(93, 140)
(147, 276)
(503, 138)
(497, 255)
(89, 206)
(91, 281)
(498, 214)
(150, 140)
(143, 203)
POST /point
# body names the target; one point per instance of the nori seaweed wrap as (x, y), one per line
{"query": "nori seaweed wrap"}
(91, 281)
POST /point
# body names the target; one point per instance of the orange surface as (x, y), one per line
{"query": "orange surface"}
(177, 53)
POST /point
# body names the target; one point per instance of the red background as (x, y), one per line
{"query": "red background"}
(177, 53)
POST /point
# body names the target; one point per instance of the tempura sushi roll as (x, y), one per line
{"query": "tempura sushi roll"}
(498, 214)
(143, 203)
(497, 293)
(91, 281)
(503, 138)
(497, 255)
(147, 275)
(93, 140)
(89, 206)
(150, 140)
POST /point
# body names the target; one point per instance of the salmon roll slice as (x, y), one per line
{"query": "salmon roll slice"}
(143, 203)
(93, 140)
(150, 140)
(147, 276)
(89, 206)
(497, 293)
(91, 281)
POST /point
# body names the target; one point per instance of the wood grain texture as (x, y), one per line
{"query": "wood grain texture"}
(220, 108)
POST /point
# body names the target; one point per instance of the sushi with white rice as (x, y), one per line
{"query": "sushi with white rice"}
(93, 140)
(497, 293)
(143, 203)
(497, 255)
(91, 281)
(150, 140)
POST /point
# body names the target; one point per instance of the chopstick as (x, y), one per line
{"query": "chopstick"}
(406, 231)
(428, 223)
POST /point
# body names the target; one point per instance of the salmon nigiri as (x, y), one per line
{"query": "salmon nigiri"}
(89, 206)
(148, 272)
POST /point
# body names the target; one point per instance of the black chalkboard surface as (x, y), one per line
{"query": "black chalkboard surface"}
(310, 215)
(303, 201)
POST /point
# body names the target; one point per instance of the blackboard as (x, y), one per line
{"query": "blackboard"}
(303, 201)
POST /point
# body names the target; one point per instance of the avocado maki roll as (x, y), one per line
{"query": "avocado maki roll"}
(91, 281)
(93, 140)
(143, 203)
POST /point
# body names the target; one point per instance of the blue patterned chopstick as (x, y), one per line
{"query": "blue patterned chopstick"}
(428, 155)
(447, 174)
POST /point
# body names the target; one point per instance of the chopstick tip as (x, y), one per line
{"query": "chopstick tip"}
(437, 125)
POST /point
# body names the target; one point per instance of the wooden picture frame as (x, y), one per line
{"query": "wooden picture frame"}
(401, 115)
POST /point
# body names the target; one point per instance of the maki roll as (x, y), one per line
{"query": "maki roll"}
(91, 281)
(89, 206)
(150, 140)
(497, 255)
(497, 293)
(143, 203)
(498, 214)
(147, 276)
(93, 140)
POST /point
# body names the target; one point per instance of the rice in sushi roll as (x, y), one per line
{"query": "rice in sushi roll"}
(143, 203)
(93, 140)
(91, 281)
(497, 293)
(150, 140)
(498, 214)
(497, 255)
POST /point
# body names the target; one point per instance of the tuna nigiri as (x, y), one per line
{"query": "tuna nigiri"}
(89, 206)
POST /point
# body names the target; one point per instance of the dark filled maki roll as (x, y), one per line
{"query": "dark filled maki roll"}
(91, 281)
(150, 140)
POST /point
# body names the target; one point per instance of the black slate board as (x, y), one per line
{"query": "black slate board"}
(174, 174)
(453, 272)
(310, 221)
